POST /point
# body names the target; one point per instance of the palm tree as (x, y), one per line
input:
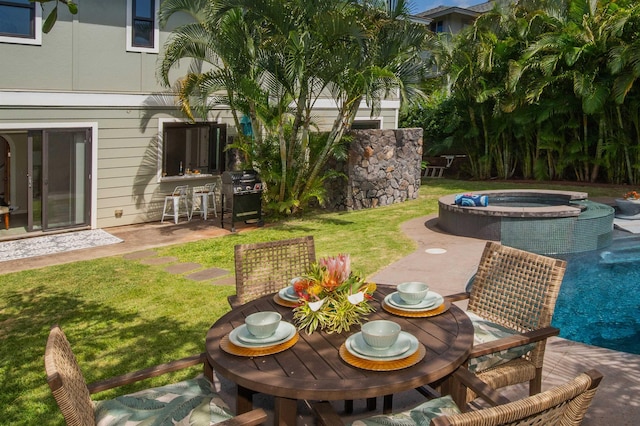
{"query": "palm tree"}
(274, 60)
(575, 52)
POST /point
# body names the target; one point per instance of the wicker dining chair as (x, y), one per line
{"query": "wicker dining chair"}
(264, 268)
(565, 404)
(73, 395)
(513, 295)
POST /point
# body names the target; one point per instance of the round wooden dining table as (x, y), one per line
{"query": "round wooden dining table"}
(312, 369)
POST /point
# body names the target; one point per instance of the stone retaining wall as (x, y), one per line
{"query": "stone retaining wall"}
(383, 168)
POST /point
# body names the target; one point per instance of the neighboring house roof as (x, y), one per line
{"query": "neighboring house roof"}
(449, 10)
(473, 11)
(429, 12)
(482, 7)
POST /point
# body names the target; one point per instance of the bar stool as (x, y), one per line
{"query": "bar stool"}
(199, 200)
(173, 202)
(210, 189)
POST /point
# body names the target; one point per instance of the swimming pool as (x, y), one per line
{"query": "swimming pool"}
(599, 301)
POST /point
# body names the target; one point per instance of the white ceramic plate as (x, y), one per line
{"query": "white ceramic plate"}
(240, 336)
(287, 293)
(406, 345)
(430, 301)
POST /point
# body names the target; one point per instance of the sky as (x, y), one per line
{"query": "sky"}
(422, 5)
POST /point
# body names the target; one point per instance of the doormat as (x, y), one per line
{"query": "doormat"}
(52, 244)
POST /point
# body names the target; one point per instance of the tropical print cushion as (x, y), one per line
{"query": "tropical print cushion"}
(486, 331)
(419, 416)
(191, 402)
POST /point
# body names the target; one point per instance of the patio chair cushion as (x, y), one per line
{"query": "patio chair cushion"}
(418, 416)
(192, 402)
(486, 331)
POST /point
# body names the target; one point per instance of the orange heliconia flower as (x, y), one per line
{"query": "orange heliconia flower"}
(631, 195)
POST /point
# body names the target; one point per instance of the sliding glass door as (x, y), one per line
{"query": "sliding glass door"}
(59, 176)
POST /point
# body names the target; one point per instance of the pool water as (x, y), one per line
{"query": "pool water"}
(599, 301)
(526, 201)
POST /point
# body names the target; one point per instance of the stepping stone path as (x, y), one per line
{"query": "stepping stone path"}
(206, 274)
(150, 257)
(158, 260)
(181, 268)
(140, 254)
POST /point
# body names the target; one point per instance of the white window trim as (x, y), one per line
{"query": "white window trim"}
(93, 125)
(160, 138)
(156, 30)
(37, 41)
(161, 122)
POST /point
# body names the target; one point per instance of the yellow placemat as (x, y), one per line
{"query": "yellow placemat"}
(283, 302)
(416, 314)
(367, 364)
(229, 347)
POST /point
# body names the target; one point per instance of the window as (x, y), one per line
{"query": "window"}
(365, 124)
(192, 148)
(437, 27)
(20, 22)
(142, 26)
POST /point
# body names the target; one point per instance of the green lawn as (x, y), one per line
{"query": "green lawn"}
(121, 315)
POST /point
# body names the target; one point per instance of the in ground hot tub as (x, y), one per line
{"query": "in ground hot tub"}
(540, 221)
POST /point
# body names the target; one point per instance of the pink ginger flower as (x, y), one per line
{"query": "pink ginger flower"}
(338, 268)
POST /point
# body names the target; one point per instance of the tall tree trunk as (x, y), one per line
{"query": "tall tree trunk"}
(485, 162)
(625, 147)
(283, 160)
(599, 148)
(345, 117)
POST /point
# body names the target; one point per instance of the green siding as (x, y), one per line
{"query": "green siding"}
(84, 53)
(87, 54)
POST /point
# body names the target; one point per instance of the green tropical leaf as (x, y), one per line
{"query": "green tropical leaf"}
(50, 21)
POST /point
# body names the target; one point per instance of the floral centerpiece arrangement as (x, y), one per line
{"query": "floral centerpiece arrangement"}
(631, 195)
(331, 297)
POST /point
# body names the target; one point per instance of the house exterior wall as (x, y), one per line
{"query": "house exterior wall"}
(82, 74)
(86, 52)
(455, 23)
(451, 23)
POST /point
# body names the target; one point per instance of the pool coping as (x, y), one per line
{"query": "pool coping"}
(447, 203)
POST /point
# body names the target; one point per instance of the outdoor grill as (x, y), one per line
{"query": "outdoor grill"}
(241, 197)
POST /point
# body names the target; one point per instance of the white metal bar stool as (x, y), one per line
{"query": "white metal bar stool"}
(210, 189)
(173, 202)
(199, 200)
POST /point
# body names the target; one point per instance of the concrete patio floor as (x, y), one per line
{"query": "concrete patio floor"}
(616, 403)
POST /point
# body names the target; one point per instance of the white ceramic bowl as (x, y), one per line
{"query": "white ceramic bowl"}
(263, 324)
(412, 292)
(380, 334)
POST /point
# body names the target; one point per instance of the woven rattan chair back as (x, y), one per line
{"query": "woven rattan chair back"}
(562, 405)
(517, 289)
(66, 380)
(264, 268)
